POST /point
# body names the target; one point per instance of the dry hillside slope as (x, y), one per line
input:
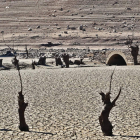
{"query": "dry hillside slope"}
(35, 22)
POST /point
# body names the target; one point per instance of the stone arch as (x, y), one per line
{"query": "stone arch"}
(116, 58)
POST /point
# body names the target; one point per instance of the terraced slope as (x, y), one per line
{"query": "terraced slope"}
(105, 23)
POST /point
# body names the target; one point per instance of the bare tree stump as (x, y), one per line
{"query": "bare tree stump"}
(66, 59)
(58, 61)
(134, 49)
(105, 124)
(33, 64)
(42, 60)
(15, 62)
(1, 62)
(22, 106)
(26, 50)
(134, 53)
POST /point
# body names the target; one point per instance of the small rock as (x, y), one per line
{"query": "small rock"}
(81, 27)
(99, 29)
(123, 22)
(7, 7)
(128, 8)
(68, 27)
(65, 32)
(53, 15)
(114, 30)
(94, 23)
(29, 29)
(115, 3)
(2, 32)
(38, 27)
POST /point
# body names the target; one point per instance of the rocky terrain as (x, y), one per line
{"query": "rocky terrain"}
(94, 23)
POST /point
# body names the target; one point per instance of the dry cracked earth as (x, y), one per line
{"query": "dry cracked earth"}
(65, 103)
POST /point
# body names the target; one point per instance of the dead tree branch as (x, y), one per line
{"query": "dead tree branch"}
(111, 79)
(105, 124)
(27, 52)
(22, 106)
(20, 78)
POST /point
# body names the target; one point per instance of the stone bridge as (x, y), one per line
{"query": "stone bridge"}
(120, 57)
(115, 57)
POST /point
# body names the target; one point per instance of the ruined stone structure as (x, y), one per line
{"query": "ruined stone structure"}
(115, 57)
(119, 57)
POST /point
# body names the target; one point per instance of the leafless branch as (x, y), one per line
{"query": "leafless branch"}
(113, 102)
(19, 75)
(20, 79)
(111, 79)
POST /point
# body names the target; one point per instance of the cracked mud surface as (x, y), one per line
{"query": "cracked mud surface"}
(65, 103)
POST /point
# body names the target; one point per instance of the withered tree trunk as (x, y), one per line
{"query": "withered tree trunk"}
(66, 59)
(1, 62)
(15, 62)
(42, 60)
(33, 65)
(105, 124)
(134, 53)
(58, 61)
(22, 106)
(27, 53)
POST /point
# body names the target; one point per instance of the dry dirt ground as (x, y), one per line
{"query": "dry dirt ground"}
(107, 23)
(65, 103)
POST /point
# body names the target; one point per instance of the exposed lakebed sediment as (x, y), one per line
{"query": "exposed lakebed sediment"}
(65, 103)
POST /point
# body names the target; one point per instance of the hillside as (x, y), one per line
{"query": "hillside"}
(64, 104)
(106, 24)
